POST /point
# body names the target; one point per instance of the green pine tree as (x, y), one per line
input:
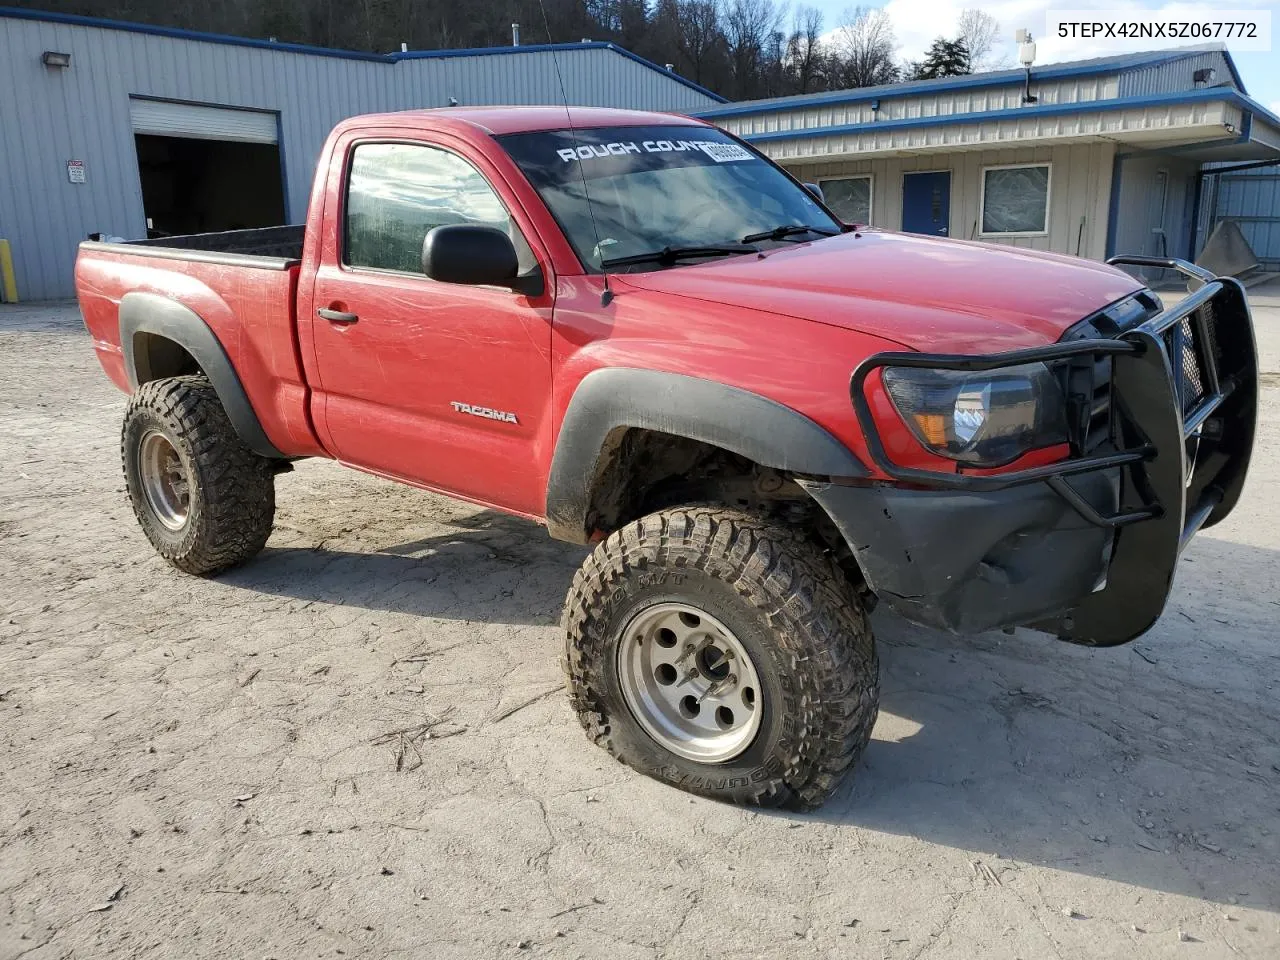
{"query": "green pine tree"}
(946, 58)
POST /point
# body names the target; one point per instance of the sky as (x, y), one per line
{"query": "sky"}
(917, 22)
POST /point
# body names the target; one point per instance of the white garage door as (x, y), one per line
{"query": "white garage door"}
(164, 118)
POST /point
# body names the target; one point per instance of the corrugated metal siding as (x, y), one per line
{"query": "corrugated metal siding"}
(1081, 187)
(1252, 199)
(592, 77)
(1265, 133)
(50, 116)
(946, 104)
(1174, 76)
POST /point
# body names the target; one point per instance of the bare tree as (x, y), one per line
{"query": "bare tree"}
(738, 48)
(749, 26)
(607, 13)
(633, 24)
(805, 54)
(863, 49)
(699, 34)
(980, 33)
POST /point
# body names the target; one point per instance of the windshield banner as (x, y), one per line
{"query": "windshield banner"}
(602, 152)
(717, 151)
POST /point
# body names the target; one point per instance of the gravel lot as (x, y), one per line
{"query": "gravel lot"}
(199, 768)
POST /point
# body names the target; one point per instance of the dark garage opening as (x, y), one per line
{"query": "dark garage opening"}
(199, 186)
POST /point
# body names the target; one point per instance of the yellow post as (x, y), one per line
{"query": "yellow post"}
(8, 283)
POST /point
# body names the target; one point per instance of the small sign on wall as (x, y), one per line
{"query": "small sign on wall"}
(76, 171)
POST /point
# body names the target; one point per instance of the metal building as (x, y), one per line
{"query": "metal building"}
(1247, 195)
(1085, 158)
(120, 128)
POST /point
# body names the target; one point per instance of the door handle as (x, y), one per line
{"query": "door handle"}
(336, 316)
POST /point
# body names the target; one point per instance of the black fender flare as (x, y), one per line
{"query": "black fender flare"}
(151, 313)
(731, 418)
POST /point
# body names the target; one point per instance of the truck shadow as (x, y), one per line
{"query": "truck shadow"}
(488, 566)
(1154, 764)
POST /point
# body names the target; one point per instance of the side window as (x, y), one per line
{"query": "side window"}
(397, 192)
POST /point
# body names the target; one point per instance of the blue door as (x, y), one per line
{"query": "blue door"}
(926, 203)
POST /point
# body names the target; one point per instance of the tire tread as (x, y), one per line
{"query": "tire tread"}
(797, 587)
(233, 496)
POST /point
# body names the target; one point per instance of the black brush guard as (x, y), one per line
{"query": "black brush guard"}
(1182, 443)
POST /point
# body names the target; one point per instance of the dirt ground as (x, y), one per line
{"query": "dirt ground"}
(196, 768)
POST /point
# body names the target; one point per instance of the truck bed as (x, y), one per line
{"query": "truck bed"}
(241, 285)
(265, 247)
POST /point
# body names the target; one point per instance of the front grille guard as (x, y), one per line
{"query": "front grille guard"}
(1181, 455)
(1160, 335)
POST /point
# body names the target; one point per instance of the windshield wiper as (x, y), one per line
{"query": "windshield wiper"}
(787, 230)
(669, 255)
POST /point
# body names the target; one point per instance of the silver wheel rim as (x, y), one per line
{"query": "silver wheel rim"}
(165, 483)
(689, 682)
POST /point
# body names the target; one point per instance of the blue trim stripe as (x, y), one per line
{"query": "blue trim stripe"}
(1017, 113)
(198, 35)
(974, 81)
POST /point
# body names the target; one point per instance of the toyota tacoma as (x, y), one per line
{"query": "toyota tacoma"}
(638, 331)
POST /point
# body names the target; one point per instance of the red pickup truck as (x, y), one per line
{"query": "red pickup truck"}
(639, 331)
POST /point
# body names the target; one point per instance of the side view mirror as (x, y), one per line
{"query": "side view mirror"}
(816, 191)
(466, 253)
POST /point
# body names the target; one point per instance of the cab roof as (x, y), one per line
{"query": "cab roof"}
(497, 121)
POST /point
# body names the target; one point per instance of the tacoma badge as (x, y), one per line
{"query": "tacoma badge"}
(486, 412)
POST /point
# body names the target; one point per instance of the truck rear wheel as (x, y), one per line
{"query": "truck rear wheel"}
(722, 653)
(203, 498)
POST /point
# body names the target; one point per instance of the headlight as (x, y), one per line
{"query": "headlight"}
(985, 419)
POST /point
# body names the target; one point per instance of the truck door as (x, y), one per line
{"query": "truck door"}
(440, 384)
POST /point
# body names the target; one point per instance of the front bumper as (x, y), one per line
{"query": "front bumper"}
(971, 561)
(1085, 548)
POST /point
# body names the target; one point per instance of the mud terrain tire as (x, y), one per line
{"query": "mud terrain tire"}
(203, 498)
(792, 611)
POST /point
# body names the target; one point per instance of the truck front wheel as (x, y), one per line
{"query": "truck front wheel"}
(723, 653)
(203, 498)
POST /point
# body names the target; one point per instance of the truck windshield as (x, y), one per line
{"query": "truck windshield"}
(663, 196)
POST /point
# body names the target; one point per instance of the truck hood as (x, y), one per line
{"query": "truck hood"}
(933, 295)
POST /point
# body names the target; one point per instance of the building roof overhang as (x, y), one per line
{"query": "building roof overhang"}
(1213, 124)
